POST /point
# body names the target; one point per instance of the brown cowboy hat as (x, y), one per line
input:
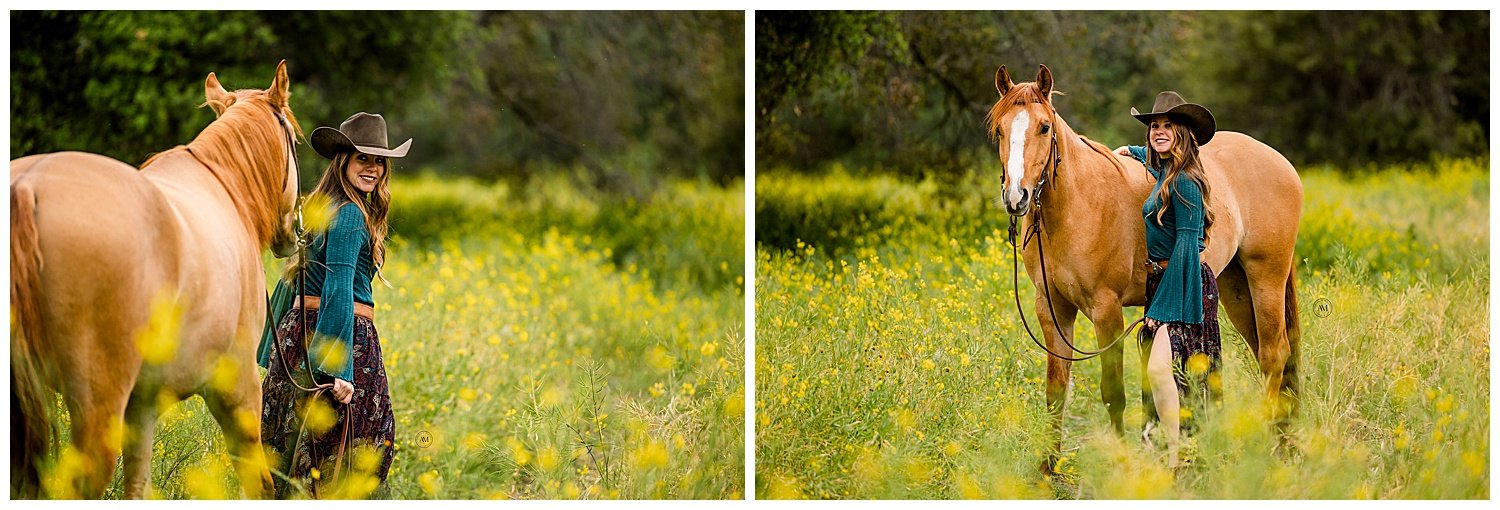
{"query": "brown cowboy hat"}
(361, 132)
(1171, 104)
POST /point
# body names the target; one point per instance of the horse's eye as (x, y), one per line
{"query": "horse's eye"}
(1046, 128)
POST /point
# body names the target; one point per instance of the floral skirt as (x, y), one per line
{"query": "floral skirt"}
(1195, 350)
(371, 427)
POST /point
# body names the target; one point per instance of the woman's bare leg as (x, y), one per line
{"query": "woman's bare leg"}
(1164, 390)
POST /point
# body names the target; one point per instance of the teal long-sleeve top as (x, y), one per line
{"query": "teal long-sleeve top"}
(340, 272)
(1178, 240)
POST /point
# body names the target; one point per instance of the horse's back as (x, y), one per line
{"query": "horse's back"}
(1243, 157)
(98, 224)
(1262, 192)
(78, 193)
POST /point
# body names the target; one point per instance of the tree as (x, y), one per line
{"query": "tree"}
(630, 97)
(1352, 87)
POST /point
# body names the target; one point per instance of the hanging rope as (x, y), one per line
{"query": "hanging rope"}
(318, 390)
(1054, 160)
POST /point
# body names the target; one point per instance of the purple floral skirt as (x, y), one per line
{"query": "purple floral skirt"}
(1198, 379)
(371, 425)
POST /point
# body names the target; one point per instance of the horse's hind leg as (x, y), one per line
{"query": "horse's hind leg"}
(1058, 370)
(236, 408)
(1234, 296)
(96, 409)
(1267, 279)
(140, 431)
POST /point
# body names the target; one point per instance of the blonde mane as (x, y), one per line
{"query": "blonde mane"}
(1020, 94)
(243, 150)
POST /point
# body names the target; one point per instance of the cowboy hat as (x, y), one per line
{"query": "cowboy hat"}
(361, 132)
(1170, 103)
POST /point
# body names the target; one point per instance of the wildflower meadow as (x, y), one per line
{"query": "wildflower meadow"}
(891, 362)
(542, 341)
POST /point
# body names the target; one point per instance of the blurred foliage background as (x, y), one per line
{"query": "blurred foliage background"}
(906, 92)
(619, 101)
(566, 310)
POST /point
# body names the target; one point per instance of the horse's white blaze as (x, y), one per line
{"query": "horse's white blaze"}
(1015, 165)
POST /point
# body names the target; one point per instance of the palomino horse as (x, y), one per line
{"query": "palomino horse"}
(103, 255)
(1095, 239)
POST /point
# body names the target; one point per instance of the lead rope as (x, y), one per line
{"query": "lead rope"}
(1035, 230)
(316, 391)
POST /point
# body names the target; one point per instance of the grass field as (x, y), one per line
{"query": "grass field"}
(890, 362)
(524, 322)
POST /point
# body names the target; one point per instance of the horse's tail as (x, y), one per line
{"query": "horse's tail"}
(1293, 333)
(30, 428)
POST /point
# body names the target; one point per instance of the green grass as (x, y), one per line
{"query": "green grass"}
(525, 321)
(890, 362)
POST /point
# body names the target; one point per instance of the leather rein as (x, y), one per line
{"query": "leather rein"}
(317, 390)
(1054, 160)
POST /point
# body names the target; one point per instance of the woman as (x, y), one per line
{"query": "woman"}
(334, 417)
(1181, 291)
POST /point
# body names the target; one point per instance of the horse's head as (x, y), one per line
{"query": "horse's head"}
(273, 99)
(1021, 123)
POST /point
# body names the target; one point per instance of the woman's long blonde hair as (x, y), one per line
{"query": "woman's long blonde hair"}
(1183, 160)
(334, 185)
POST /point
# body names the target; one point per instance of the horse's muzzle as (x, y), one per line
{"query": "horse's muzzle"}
(283, 248)
(1019, 207)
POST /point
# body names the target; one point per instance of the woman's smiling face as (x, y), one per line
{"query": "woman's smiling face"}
(365, 171)
(1161, 135)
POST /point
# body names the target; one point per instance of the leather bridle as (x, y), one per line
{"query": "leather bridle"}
(304, 238)
(1054, 161)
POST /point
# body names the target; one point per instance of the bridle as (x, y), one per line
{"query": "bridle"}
(1054, 161)
(316, 391)
(291, 149)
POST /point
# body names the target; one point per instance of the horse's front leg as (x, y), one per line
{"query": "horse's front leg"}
(1058, 370)
(1108, 321)
(237, 409)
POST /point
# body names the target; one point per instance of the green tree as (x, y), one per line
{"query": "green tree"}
(629, 97)
(625, 99)
(1351, 86)
(908, 91)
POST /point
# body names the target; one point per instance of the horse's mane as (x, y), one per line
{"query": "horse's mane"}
(1020, 94)
(242, 149)
(1107, 154)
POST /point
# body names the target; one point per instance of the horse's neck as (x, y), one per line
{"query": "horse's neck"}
(1087, 190)
(244, 160)
(177, 167)
(1083, 177)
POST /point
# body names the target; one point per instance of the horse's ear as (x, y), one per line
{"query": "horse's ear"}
(215, 96)
(1002, 81)
(279, 89)
(1044, 82)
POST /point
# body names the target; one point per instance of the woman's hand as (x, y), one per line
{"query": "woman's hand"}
(1152, 324)
(343, 391)
(1123, 150)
